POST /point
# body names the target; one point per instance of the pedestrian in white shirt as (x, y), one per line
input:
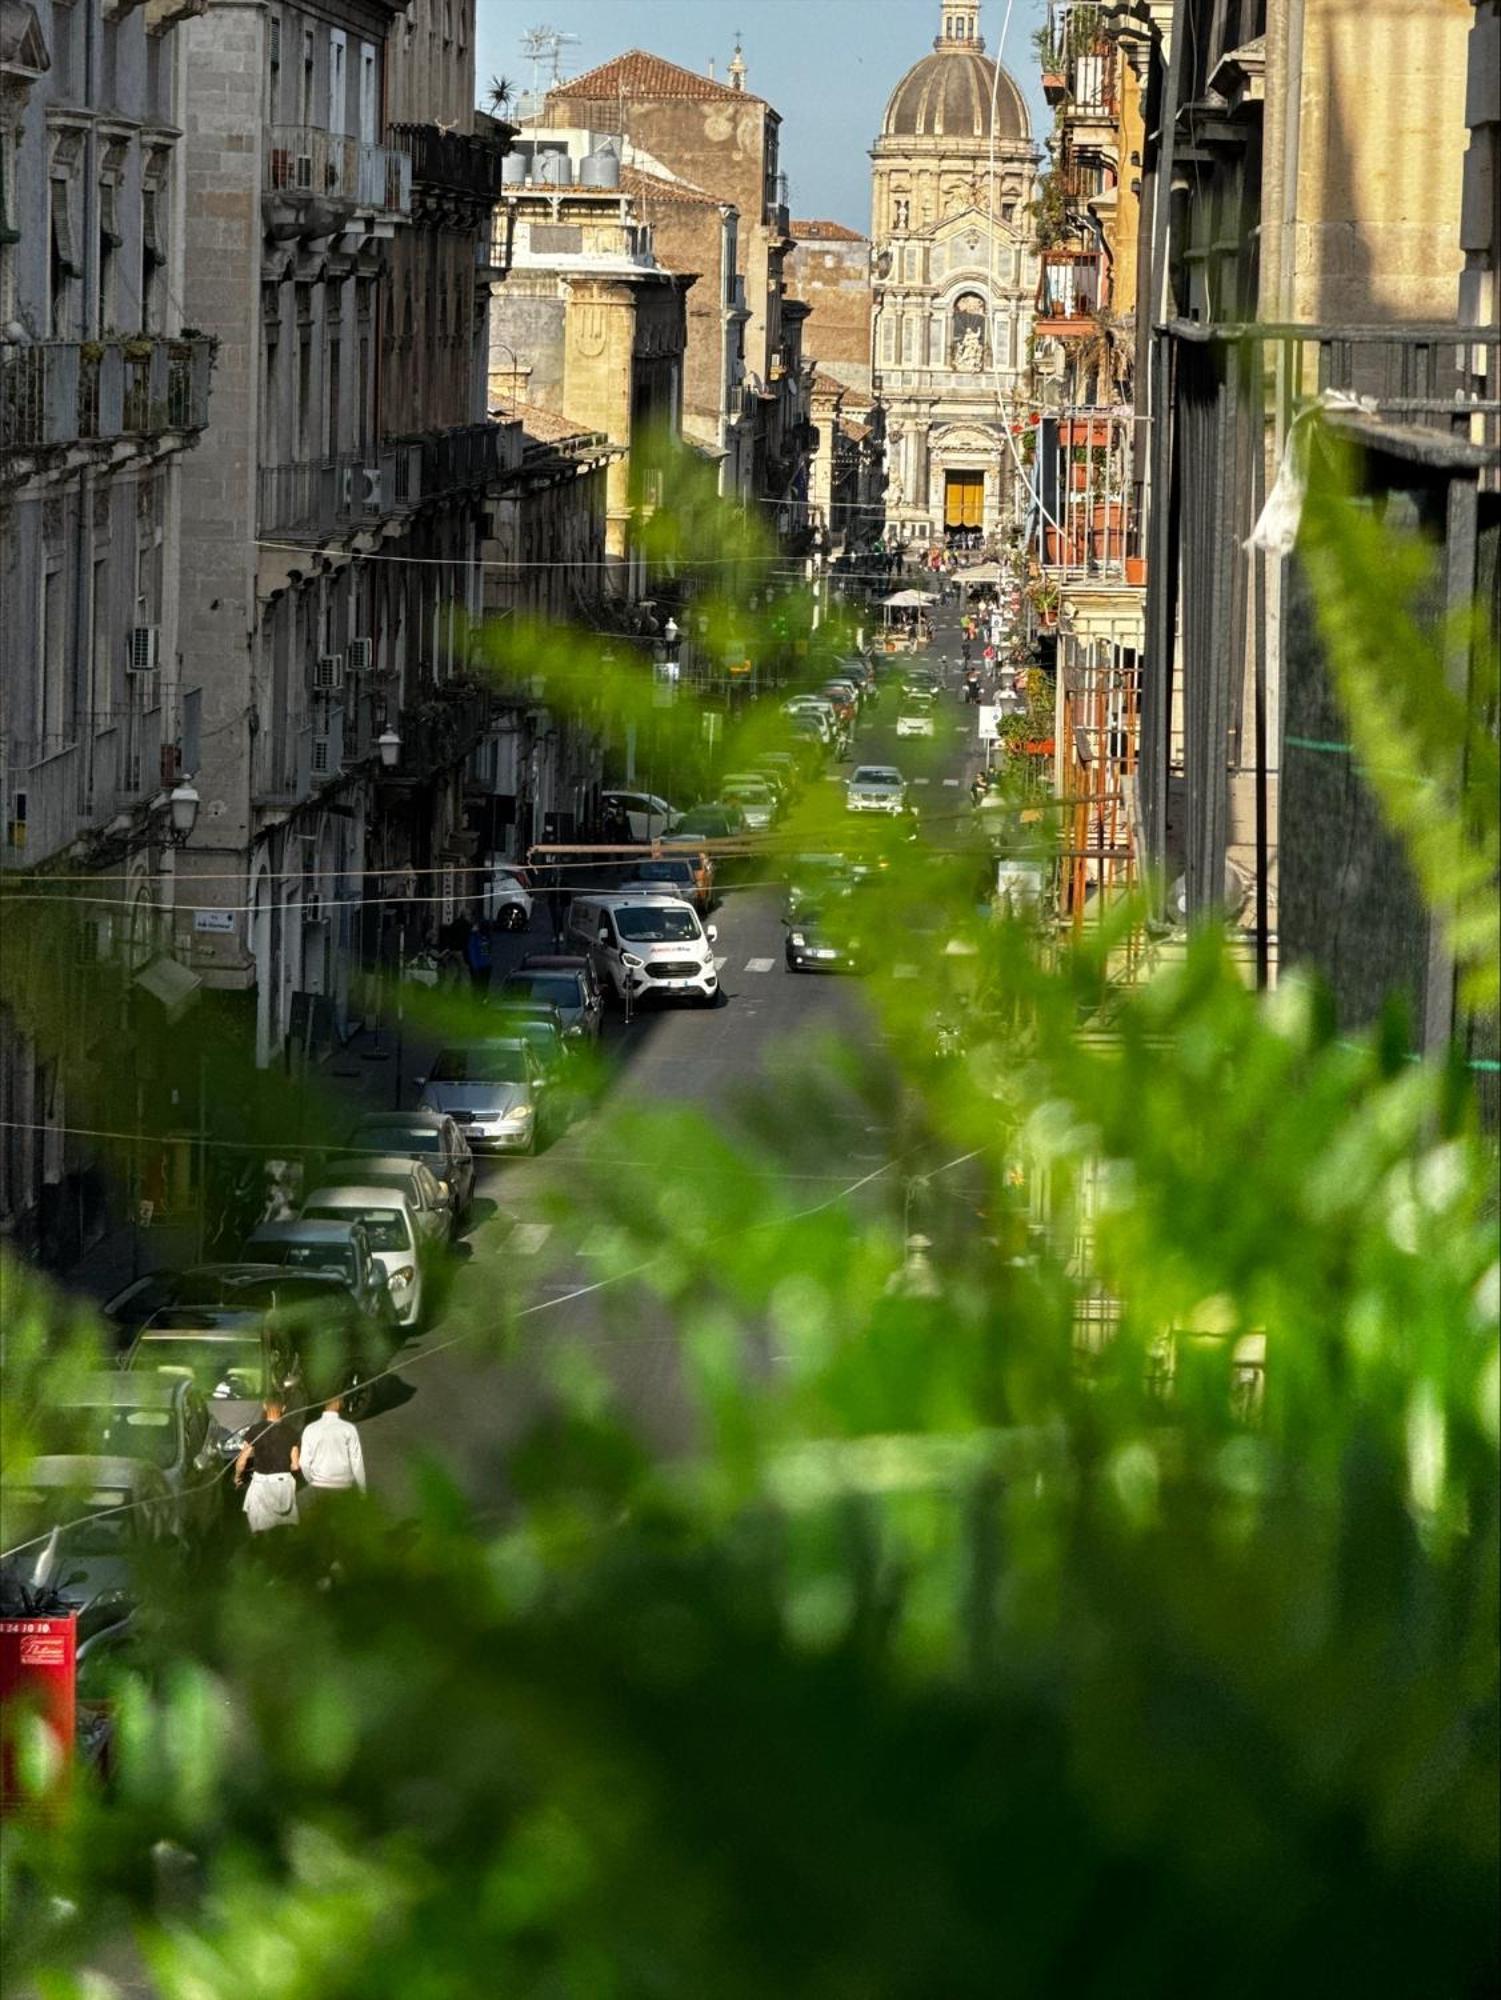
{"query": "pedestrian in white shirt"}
(333, 1460)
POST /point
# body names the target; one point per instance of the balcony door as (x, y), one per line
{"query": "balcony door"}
(338, 100)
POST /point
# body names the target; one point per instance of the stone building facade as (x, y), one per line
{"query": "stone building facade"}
(101, 394)
(955, 277)
(722, 140)
(588, 324)
(336, 510)
(830, 274)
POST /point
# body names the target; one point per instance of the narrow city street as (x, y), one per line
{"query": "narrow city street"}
(459, 1401)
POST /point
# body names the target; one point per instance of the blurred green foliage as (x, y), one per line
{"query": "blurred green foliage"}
(961, 1654)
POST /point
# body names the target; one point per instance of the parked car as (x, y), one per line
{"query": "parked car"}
(162, 1420)
(420, 1135)
(234, 1356)
(875, 788)
(646, 946)
(784, 769)
(755, 799)
(496, 1091)
(413, 1180)
(567, 982)
(507, 898)
(195, 1285)
(539, 1023)
(688, 877)
(711, 822)
(646, 816)
(340, 1248)
(391, 1232)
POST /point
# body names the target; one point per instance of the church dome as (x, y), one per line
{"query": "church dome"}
(947, 96)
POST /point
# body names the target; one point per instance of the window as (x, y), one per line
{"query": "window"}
(101, 696)
(47, 706)
(335, 385)
(888, 338)
(369, 96)
(338, 101)
(9, 234)
(110, 240)
(302, 417)
(306, 81)
(154, 226)
(66, 266)
(273, 69)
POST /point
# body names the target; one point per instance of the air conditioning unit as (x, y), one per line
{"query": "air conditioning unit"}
(142, 649)
(359, 655)
(322, 757)
(302, 172)
(373, 489)
(328, 673)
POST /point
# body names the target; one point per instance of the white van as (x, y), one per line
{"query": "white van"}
(645, 943)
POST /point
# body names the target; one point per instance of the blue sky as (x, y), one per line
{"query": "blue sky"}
(827, 65)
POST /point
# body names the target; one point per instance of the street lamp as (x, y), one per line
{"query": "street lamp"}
(182, 813)
(388, 743)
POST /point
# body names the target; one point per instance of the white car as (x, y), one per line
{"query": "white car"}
(647, 816)
(877, 788)
(390, 1230)
(756, 801)
(915, 719)
(508, 896)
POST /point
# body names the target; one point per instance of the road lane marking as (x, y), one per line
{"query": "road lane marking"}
(759, 964)
(951, 781)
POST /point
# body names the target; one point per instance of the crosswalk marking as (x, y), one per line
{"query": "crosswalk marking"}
(527, 1238)
(904, 972)
(759, 964)
(720, 962)
(951, 781)
(922, 781)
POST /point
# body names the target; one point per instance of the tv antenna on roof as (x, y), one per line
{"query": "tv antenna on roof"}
(544, 46)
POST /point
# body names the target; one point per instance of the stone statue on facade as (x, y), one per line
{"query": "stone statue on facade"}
(969, 354)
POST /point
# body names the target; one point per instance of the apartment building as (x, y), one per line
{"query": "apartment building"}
(590, 326)
(717, 137)
(1303, 242)
(103, 390)
(1086, 564)
(339, 249)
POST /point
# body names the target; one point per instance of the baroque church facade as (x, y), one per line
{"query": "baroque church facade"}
(955, 277)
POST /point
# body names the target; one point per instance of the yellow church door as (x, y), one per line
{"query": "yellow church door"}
(964, 500)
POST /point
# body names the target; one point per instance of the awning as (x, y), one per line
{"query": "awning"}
(908, 600)
(171, 983)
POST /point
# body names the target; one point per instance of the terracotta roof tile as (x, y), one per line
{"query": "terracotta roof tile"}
(824, 232)
(545, 426)
(636, 181)
(638, 74)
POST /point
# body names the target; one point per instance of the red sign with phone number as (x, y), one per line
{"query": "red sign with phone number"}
(37, 1669)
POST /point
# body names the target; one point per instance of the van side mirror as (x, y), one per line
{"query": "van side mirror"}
(604, 934)
(711, 932)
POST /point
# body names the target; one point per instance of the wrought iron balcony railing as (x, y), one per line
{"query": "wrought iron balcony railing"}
(57, 394)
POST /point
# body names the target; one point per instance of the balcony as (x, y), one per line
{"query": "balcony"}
(451, 162)
(57, 790)
(87, 397)
(1069, 295)
(470, 457)
(318, 183)
(1089, 506)
(440, 731)
(321, 499)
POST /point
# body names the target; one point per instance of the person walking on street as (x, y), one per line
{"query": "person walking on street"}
(477, 958)
(333, 1459)
(270, 1457)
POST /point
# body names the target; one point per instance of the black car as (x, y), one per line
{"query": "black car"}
(565, 982)
(815, 944)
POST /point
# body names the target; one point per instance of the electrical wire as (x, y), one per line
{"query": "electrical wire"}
(393, 1372)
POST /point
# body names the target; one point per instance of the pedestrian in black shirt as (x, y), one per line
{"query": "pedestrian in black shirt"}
(270, 1455)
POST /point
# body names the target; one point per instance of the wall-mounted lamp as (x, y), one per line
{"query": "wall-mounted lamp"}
(182, 813)
(388, 743)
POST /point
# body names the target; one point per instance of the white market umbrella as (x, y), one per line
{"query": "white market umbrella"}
(909, 600)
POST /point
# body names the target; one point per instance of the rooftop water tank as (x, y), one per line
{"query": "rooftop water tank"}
(600, 169)
(554, 170)
(513, 169)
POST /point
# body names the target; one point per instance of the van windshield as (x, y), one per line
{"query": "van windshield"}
(647, 926)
